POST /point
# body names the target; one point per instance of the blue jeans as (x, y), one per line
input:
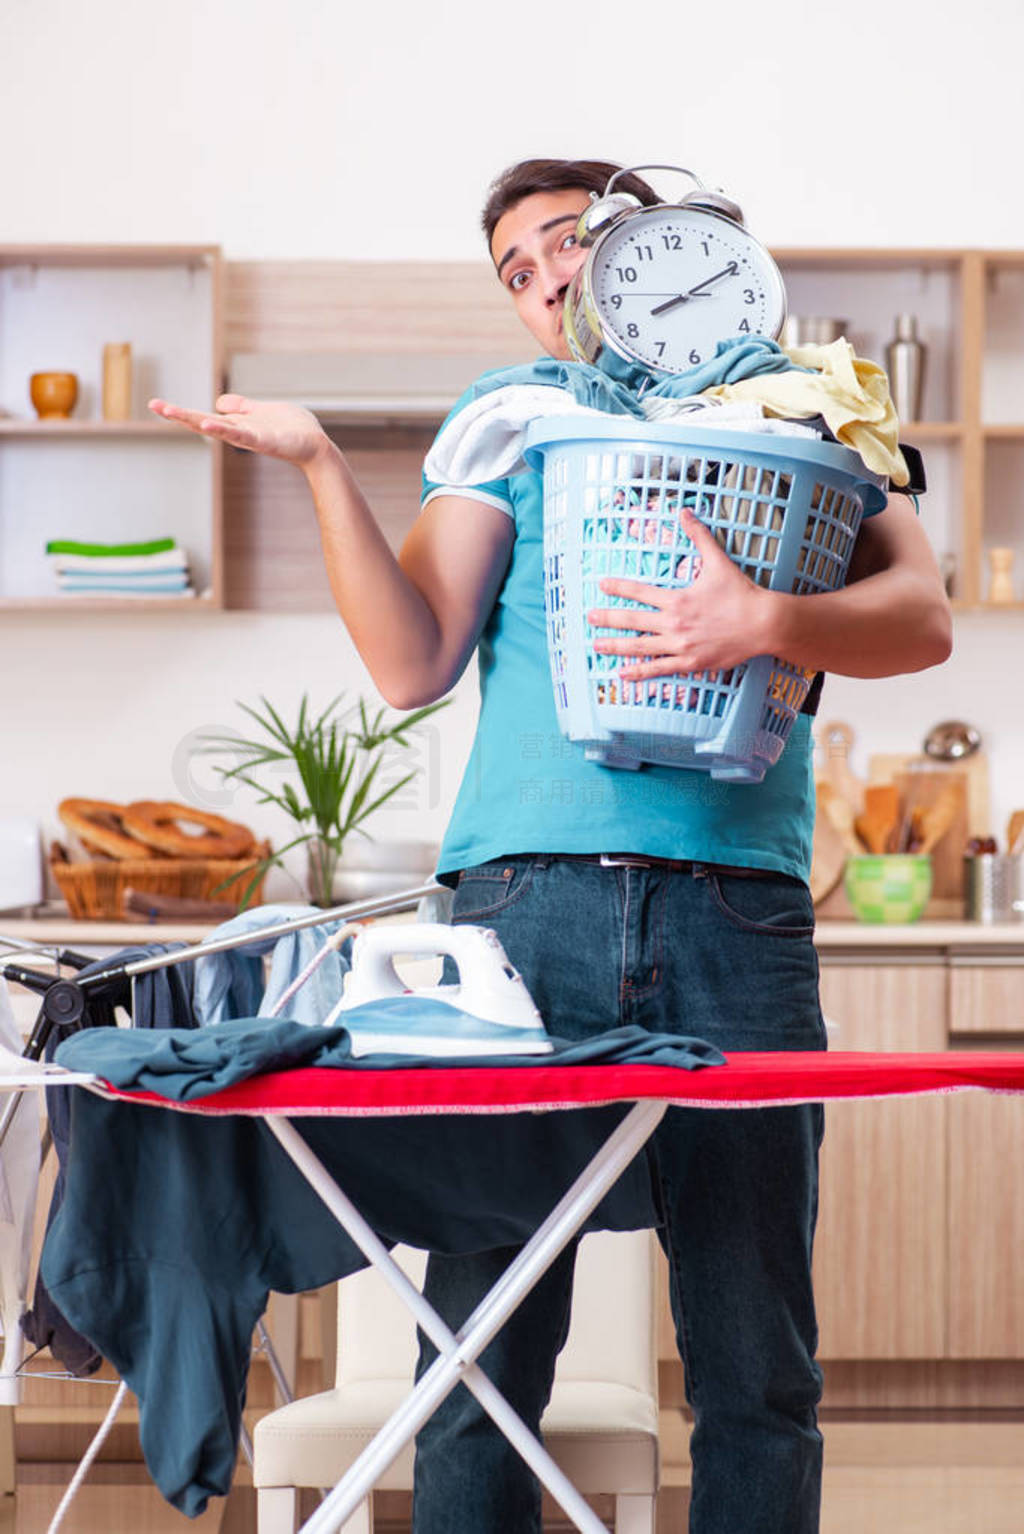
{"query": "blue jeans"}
(728, 958)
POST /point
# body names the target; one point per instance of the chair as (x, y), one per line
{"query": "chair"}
(601, 1425)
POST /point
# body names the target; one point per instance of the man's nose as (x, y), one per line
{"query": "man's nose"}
(555, 281)
(556, 299)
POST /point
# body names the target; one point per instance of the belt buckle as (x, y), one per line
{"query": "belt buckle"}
(624, 860)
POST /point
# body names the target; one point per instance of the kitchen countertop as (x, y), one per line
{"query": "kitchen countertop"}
(54, 925)
(960, 935)
(51, 924)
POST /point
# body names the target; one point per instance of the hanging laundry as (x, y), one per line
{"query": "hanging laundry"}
(232, 984)
(160, 999)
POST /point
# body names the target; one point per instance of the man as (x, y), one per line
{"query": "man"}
(656, 898)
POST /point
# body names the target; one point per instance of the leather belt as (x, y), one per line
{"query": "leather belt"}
(659, 865)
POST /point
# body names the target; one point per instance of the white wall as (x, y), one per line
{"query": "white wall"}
(334, 129)
(342, 131)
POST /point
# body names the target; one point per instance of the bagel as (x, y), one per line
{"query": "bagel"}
(156, 824)
(99, 826)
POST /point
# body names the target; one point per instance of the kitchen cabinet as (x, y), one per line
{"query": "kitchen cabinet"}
(91, 479)
(986, 1227)
(880, 1254)
(920, 1240)
(986, 1149)
(921, 1235)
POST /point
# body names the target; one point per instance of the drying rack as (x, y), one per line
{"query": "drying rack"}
(64, 1008)
(65, 998)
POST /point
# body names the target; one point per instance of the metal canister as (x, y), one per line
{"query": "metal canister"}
(994, 887)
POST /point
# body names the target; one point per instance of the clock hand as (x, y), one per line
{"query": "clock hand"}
(727, 271)
(673, 303)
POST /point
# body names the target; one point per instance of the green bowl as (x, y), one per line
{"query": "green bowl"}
(893, 887)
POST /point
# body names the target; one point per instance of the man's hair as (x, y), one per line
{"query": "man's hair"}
(531, 176)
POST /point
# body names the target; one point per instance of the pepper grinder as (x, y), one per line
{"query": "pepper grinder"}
(905, 361)
(117, 381)
(1001, 584)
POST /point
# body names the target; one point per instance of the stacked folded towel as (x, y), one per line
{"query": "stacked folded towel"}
(156, 568)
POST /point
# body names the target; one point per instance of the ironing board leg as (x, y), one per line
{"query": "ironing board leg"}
(457, 1353)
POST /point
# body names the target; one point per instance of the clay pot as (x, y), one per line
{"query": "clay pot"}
(53, 395)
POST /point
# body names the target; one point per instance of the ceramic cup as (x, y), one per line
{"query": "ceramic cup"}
(53, 395)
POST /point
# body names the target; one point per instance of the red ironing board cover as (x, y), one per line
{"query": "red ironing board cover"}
(746, 1080)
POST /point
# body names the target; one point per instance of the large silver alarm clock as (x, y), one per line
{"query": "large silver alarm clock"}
(663, 285)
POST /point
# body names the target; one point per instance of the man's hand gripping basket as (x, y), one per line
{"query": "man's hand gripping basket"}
(787, 510)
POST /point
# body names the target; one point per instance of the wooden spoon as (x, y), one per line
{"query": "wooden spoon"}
(880, 817)
(1015, 832)
(936, 820)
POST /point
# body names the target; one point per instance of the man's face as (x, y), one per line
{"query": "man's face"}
(535, 251)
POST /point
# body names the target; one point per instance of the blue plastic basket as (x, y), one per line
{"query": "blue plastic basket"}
(786, 509)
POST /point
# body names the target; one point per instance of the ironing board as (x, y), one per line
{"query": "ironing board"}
(646, 1090)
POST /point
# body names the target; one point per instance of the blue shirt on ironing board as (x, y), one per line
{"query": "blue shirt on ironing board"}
(527, 789)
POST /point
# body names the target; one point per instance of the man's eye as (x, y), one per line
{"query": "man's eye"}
(518, 281)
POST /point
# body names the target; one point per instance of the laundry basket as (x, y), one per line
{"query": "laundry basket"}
(786, 509)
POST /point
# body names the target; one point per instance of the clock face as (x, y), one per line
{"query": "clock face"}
(670, 283)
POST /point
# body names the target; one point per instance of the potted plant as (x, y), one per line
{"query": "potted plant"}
(336, 766)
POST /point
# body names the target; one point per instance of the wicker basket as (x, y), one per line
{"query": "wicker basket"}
(95, 891)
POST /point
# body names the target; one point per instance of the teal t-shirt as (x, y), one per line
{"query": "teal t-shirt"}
(528, 789)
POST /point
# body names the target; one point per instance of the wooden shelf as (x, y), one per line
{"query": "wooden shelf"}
(34, 257)
(881, 258)
(69, 604)
(14, 427)
(931, 431)
(987, 607)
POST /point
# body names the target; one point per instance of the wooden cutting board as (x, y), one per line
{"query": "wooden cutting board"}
(884, 766)
(828, 858)
(835, 748)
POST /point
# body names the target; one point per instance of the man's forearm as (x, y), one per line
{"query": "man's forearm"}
(893, 621)
(389, 619)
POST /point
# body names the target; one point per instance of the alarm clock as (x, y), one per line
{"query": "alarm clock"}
(661, 286)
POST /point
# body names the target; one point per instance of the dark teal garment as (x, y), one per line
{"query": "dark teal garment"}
(175, 1227)
(186, 1063)
(622, 390)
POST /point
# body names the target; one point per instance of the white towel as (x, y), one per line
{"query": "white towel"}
(485, 440)
(120, 564)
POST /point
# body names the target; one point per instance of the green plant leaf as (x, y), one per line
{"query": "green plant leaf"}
(376, 804)
(335, 765)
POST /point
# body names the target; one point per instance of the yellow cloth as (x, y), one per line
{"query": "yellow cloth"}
(851, 393)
